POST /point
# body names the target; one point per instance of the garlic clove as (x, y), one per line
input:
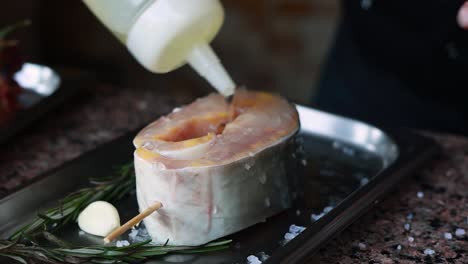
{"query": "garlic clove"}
(99, 218)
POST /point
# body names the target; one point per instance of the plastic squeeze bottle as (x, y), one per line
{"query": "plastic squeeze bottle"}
(163, 35)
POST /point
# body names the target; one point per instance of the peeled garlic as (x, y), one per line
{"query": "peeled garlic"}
(99, 218)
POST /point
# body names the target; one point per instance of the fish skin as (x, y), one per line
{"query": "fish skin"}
(220, 191)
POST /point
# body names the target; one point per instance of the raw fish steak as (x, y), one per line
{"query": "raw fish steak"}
(216, 167)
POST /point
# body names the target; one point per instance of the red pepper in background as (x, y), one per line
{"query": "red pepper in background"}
(10, 62)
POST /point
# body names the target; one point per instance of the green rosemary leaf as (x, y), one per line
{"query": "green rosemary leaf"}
(14, 257)
(218, 243)
(108, 189)
(55, 240)
(80, 252)
(8, 29)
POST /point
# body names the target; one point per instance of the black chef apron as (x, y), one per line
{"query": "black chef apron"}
(399, 63)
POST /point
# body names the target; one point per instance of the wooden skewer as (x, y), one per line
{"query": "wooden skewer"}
(132, 222)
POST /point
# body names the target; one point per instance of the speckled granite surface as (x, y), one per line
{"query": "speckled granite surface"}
(413, 220)
(381, 236)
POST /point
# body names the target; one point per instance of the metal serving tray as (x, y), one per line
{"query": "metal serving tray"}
(349, 165)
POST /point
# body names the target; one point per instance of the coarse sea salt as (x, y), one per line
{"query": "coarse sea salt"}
(429, 252)
(410, 239)
(362, 246)
(460, 232)
(294, 231)
(410, 216)
(364, 181)
(253, 260)
(448, 236)
(398, 247)
(316, 217)
(122, 243)
(420, 195)
(263, 256)
(133, 234)
(327, 209)
(407, 226)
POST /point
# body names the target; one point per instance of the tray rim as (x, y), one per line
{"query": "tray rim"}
(302, 247)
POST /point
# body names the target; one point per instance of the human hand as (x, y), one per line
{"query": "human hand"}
(463, 16)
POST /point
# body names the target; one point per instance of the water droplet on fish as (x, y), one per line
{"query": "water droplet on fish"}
(262, 178)
(148, 145)
(267, 202)
(158, 166)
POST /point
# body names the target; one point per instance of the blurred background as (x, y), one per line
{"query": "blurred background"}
(274, 45)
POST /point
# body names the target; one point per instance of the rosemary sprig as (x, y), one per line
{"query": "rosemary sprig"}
(134, 253)
(8, 29)
(23, 245)
(107, 189)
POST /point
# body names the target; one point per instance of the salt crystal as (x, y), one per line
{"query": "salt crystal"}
(293, 155)
(267, 202)
(460, 232)
(429, 252)
(247, 166)
(263, 256)
(316, 217)
(364, 181)
(122, 243)
(81, 233)
(448, 236)
(407, 226)
(133, 234)
(177, 109)
(398, 247)
(251, 154)
(410, 239)
(304, 162)
(410, 216)
(420, 195)
(289, 236)
(298, 212)
(253, 260)
(327, 209)
(362, 246)
(295, 229)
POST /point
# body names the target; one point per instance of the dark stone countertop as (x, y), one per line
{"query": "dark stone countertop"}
(109, 112)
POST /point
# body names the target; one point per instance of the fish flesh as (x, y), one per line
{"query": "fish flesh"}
(217, 167)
